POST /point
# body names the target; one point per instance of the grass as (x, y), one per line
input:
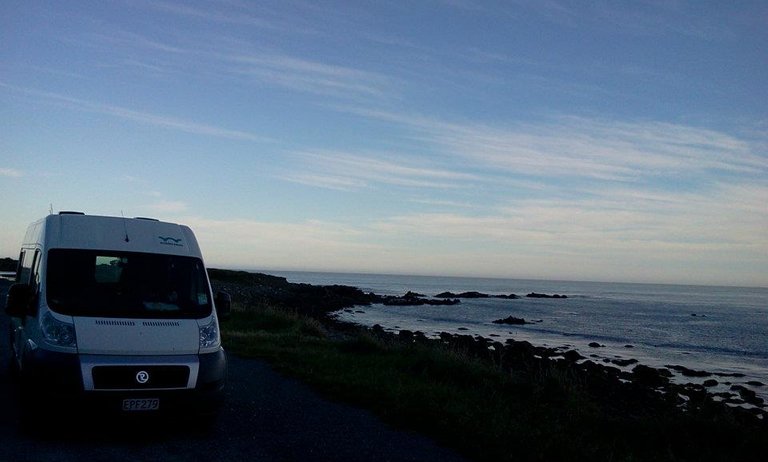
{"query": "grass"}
(469, 404)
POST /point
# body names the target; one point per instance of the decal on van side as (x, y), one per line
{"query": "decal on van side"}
(170, 241)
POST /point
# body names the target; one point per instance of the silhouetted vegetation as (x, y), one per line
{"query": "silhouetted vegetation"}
(8, 264)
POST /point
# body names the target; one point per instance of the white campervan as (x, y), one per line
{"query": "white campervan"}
(115, 311)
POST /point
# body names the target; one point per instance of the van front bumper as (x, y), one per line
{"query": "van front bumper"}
(69, 378)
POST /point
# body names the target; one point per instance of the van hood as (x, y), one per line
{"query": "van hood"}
(116, 336)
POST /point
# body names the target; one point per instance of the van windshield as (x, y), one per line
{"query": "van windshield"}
(126, 284)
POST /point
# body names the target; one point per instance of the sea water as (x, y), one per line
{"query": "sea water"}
(720, 330)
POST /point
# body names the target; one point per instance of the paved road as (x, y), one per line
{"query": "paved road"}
(267, 417)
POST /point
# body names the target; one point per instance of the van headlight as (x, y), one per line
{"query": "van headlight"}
(209, 335)
(57, 332)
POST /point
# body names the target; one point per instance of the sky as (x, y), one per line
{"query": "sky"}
(549, 139)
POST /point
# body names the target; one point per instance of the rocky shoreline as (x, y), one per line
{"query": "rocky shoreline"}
(643, 389)
(623, 384)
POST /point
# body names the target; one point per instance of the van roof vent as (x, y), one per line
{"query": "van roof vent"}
(70, 212)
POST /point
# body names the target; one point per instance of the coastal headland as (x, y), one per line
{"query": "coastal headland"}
(618, 396)
(321, 301)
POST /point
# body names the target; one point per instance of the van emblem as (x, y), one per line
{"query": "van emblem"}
(170, 241)
(142, 376)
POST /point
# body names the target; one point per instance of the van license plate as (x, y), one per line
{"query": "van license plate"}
(148, 404)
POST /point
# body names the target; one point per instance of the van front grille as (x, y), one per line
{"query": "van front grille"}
(102, 322)
(139, 377)
(160, 323)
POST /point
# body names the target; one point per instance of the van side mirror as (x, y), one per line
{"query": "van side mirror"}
(223, 304)
(19, 300)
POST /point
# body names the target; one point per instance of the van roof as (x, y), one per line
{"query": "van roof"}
(80, 231)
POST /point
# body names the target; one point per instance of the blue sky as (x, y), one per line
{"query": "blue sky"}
(611, 141)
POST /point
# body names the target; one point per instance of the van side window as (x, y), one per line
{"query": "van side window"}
(19, 266)
(34, 280)
(26, 260)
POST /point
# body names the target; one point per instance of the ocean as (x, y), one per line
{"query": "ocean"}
(720, 330)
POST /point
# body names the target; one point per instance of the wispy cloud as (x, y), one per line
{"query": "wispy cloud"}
(637, 18)
(309, 76)
(644, 237)
(346, 171)
(603, 149)
(226, 57)
(326, 181)
(725, 222)
(306, 245)
(584, 147)
(159, 204)
(167, 207)
(147, 118)
(11, 172)
(444, 203)
(238, 16)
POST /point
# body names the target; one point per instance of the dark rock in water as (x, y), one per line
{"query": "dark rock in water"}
(462, 295)
(629, 346)
(454, 301)
(696, 393)
(510, 320)
(473, 294)
(507, 297)
(537, 295)
(572, 355)
(462, 328)
(446, 295)
(729, 374)
(690, 372)
(624, 362)
(755, 383)
(710, 383)
(595, 345)
(415, 299)
(747, 395)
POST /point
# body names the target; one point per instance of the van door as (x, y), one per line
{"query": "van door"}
(29, 273)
